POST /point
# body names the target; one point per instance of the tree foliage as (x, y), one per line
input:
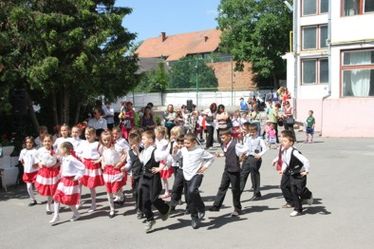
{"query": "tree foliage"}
(190, 72)
(65, 53)
(156, 80)
(257, 32)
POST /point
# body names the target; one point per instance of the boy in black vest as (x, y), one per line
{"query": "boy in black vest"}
(136, 169)
(232, 150)
(295, 169)
(256, 148)
(150, 181)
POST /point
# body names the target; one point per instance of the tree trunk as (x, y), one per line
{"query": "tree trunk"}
(34, 120)
(54, 107)
(66, 106)
(77, 112)
(275, 81)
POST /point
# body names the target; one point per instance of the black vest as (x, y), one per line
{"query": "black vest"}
(295, 165)
(232, 163)
(149, 165)
(136, 165)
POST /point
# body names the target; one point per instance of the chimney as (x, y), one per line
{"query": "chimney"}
(205, 38)
(163, 36)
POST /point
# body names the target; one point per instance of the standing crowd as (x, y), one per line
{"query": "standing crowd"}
(146, 157)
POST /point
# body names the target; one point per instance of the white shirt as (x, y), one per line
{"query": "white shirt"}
(286, 158)
(240, 149)
(58, 142)
(28, 158)
(70, 166)
(38, 142)
(193, 160)
(76, 142)
(254, 144)
(111, 156)
(146, 154)
(97, 123)
(122, 145)
(90, 150)
(108, 114)
(46, 157)
(162, 144)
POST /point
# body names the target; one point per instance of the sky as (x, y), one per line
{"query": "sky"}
(151, 17)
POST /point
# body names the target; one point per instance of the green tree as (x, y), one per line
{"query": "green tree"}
(256, 32)
(156, 80)
(66, 52)
(189, 71)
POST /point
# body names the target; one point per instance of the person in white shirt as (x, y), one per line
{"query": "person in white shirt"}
(43, 130)
(98, 122)
(256, 148)
(68, 190)
(150, 182)
(30, 167)
(195, 162)
(76, 141)
(108, 114)
(294, 171)
(64, 137)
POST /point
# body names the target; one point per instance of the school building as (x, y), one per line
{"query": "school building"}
(331, 67)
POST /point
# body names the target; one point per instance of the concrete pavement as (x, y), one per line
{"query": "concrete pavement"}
(341, 180)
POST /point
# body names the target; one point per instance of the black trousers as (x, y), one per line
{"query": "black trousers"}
(228, 178)
(289, 127)
(178, 187)
(136, 189)
(251, 166)
(286, 188)
(299, 192)
(209, 139)
(150, 189)
(196, 204)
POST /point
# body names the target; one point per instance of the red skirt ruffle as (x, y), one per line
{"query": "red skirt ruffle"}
(68, 191)
(114, 179)
(30, 177)
(93, 176)
(47, 180)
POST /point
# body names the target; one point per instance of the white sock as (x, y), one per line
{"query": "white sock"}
(56, 207)
(75, 211)
(111, 202)
(49, 202)
(30, 191)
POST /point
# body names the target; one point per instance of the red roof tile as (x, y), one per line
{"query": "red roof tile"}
(175, 47)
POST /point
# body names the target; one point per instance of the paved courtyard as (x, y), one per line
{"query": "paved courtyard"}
(341, 217)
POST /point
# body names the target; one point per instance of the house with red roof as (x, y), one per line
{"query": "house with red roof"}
(201, 43)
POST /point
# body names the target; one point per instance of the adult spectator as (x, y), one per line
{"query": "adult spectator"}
(147, 122)
(243, 105)
(98, 122)
(288, 118)
(222, 120)
(273, 117)
(210, 115)
(108, 114)
(169, 118)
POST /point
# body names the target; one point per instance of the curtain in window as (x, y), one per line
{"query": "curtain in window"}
(351, 7)
(360, 79)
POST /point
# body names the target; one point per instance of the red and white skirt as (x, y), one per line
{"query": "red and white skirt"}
(29, 177)
(46, 180)
(68, 191)
(93, 176)
(166, 172)
(114, 179)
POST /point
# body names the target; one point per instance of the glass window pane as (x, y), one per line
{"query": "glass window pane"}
(323, 37)
(323, 71)
(309, 72)
(369, 5)
(309, 37)
(309, 7)
(351, 7)
(359, 57)
(358, 83)
(324, 6)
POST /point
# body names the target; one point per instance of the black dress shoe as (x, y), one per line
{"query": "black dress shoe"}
(33, 203)
(255, 198)
(214, 209)
(195, 222)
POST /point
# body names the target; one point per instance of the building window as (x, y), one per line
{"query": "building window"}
(357, 7)
(314, 7)
(314, 37)
(315, 71)
(358, 73)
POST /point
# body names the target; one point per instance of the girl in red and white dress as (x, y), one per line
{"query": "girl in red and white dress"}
(113, 163)
(166, 171)
(48, 173)
(75, 140)
(64, 137)
(236, 125)
(30, 167)
(68, 190)
(93, 175)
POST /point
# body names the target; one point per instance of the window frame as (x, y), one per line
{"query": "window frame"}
(318, 71)
(344, 68)
(361, 8)
(318, 36)
(318, 9)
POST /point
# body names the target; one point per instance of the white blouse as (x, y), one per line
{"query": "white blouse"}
(90, 150)
(28, 158)
(46, 157)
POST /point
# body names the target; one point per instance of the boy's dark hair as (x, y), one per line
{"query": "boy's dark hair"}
(311, 111)
(250, 126)
(134, 138)
(180, 139)
(225, 132)
(289, 135)
(190, 137)
(149, 134)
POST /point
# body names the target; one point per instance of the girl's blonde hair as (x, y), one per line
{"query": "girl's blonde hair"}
(67, 147)
(176, 131)
(90, 130)
(161, 129)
